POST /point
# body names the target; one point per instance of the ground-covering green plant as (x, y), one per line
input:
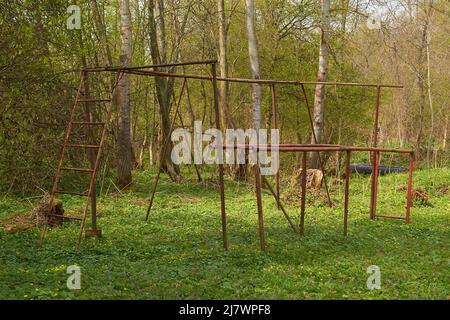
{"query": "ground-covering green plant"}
(178, 254)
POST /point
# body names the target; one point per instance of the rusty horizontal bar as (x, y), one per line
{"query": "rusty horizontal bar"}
(297, 149)
(390, 217)
(71, 193)
(94, 100)
(65, 217)
(351, 148)
(121, 68)
(77, 169)
(287, 145)
(259, 81)
(90, 123)
(73, 218)
(314, 147)
(89, 146)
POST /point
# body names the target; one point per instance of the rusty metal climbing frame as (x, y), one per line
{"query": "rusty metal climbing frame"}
(259, 180)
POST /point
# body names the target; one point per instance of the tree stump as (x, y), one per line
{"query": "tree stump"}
(314, 178)
(52, 218)
(56, 216)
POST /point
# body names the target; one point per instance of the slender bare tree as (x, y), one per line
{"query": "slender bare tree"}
(123, 99)
(223, 90)
(428, 10)
(101, 31)
(254, 62)
(163, 86)
(321, 76)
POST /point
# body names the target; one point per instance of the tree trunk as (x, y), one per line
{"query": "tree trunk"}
(101, 29)
(123, 100)
(224, 85)
(254, 63)
(321, 77)
(163, 86)
(421, 75)
(345, 8)
(430, 98)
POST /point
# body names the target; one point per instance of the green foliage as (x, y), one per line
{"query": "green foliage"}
(179, 255)
(35, 94)
(37, 82)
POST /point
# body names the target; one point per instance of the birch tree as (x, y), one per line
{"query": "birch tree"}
(254, 63)
(123, 99)
(430, 98)
(321, 77)
(223, 89)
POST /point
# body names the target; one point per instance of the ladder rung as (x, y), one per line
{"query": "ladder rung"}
(71, 193)
(92, 146)
(73, 218)
(90, 123)
(94, 100)
(65, 217)
(77, 169)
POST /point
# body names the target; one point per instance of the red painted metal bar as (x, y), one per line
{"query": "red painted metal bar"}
(346, 190)
(221, 172)
(409, 191)
(303, 199)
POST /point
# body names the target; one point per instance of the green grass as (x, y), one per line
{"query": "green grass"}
(178, 254)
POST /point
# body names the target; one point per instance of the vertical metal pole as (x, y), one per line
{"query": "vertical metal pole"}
(374, 155)
(346, 192)
(275, 126)
(409, 192)
(303, 200)
(90, 152)
(260, 209)
(373, 207)
(377, 111)
(221, 182)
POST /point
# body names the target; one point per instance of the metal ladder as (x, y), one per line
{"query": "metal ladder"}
(94, 151)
